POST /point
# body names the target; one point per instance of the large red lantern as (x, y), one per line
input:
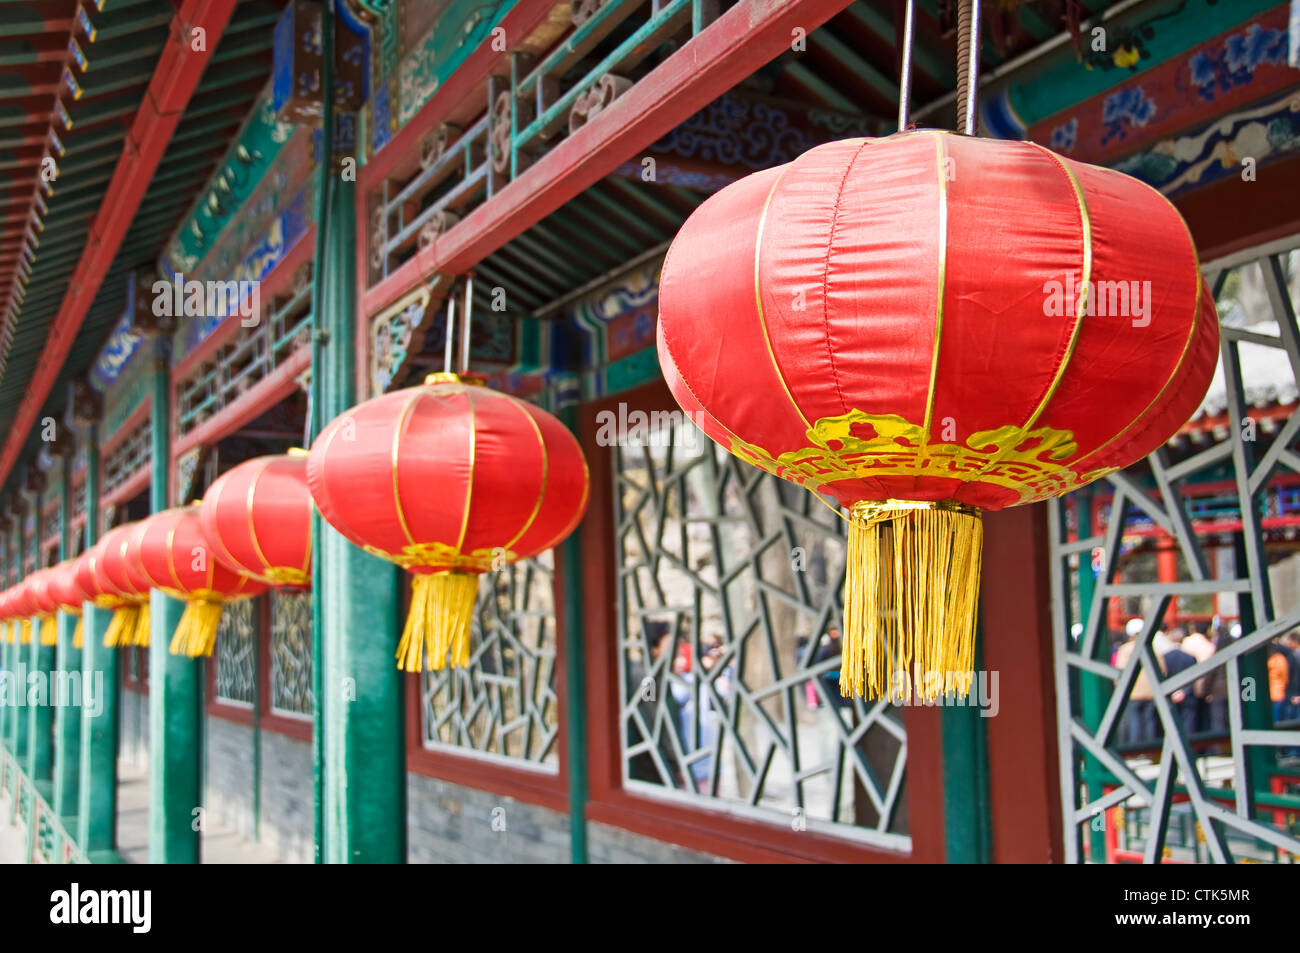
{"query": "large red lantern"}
(925, 326)
(258, 515)
(117, 586)
(170, 550)
(448, 480)
(67, 592)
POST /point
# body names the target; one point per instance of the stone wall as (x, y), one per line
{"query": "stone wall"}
(282, 819)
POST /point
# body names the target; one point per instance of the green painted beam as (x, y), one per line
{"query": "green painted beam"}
(175, 795)
(823, 90)
(97, 795)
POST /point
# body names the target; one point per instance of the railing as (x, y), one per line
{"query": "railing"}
(241, 362)
(523, 117)
(129, 456)
(48, 842)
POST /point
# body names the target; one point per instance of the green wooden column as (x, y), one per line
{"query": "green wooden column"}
(175, 798)
(97, 794)
(967, 813)
(363, 782)
(40, 658)
(575, 681)
(67, 718)
(6, 654)
(17, 724)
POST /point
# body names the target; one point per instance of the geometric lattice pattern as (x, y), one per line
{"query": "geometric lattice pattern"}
(729, 608)
(1184, 756)
(235, 654)
(504, 704)
(291, 662)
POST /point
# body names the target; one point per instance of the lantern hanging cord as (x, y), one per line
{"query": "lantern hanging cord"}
(905, 67)
(968, 63)
(451, 329)
(466, 322)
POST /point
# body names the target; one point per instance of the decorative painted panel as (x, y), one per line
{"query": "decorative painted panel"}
(1173, 748)
(291, 659)
(504, 704)
(728, 612)
(235, 655)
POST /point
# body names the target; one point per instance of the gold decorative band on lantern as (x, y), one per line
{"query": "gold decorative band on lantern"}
(910, 597)
(439, 621)
(451, 377)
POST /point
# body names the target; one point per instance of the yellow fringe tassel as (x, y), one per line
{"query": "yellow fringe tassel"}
(76, 634)
(910, 599)
(49, 631)
(25, 631)
(442, 609)
(196, 633)
(118, 633)
(140, 637)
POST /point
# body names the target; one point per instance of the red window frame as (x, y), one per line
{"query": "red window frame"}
(704, 828)
(267, 718)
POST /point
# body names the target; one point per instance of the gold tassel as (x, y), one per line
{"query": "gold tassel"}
(118, 633)
(910, 599)
(442, 610)
(76, 634)
(49, 631)
(140, 637)
(25, 631)
(196, 633)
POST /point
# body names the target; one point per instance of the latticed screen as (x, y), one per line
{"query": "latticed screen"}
(291, 659)
(729, 607)
(235, 654)
(1177, 581)
(502, 705)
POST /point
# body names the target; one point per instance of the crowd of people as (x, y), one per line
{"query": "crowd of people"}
(1202, 706)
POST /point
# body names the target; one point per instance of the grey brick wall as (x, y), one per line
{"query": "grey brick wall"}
(451, 824)
(613, 845)
(286, 820)
(228, 775)
(133, 728)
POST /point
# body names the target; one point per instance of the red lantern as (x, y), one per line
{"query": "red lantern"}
(171, 552)
(928, 325)
(118, 587)
(45, 606)
(67, 592)
(258, 518)
(448, 480)
(21, 610)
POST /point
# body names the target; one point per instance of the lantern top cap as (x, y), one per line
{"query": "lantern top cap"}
(450, 377)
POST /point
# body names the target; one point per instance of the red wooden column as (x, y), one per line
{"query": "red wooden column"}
(1015, 609)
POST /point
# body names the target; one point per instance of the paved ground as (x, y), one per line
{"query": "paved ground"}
(220, 845)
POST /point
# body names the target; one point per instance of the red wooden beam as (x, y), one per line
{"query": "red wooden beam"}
(746, 37)
(175, 78)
